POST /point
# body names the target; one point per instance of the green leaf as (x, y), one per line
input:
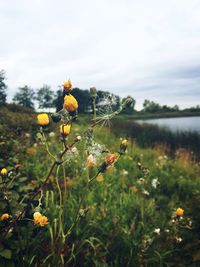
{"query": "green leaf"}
(6, 253)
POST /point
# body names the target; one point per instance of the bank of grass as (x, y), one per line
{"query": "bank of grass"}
(120, 212)
(148, 135)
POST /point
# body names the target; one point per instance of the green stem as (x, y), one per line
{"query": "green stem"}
(46, 145)
(39, 188)
(79, 206)
(61, 204)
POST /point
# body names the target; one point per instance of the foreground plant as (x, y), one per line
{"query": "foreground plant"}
(32, 207)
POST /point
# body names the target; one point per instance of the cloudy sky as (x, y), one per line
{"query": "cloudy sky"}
(149, 49)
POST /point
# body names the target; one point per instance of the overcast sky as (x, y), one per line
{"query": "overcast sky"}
(149, 49)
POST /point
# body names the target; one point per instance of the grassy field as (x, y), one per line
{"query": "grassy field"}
(138, 208)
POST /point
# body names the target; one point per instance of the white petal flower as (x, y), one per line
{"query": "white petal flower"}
(157, 231)
(145, 192)
(155, 183)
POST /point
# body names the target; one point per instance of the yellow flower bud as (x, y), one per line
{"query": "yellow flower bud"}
(43, 119)
(5, 216)
(70, 103)
(124, 142)
(65, 129)
(4, 172)
(67, 86)
(179, 212)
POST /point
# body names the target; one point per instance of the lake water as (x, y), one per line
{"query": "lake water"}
(176, 124)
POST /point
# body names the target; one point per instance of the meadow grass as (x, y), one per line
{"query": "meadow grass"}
(126, 217)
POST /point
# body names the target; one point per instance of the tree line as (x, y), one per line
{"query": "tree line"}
(46, 98)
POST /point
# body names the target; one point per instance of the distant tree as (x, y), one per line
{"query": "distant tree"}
(24, 97)
(151, 106)
(84, 99)
(3, 87)
(58, 99)
(165, 108)
(117, 102)
(45, 97)
(175, 108)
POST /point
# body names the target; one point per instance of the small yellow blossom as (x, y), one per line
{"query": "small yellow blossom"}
(133, 189)
(4, 172)
(100, 178)
(65, 129)
(179, 212)
(5, 216)
(43, 119)
(70, 103)
(40, 219)
(124, 142)
(67, 86)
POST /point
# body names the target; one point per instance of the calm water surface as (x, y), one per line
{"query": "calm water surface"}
(176, 124)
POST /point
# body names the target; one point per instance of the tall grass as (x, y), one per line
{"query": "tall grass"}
(147, 135)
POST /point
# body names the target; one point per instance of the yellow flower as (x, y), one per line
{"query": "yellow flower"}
(179, 212)
(43, 221)
(65, 129)
(5, 216)
(133, 189)
(100, 178)
(90, 161)
(110, 159)
(40, 219)
(70, 103)
(36, 216)
(67, 86)
(4, 172)
(43, 119)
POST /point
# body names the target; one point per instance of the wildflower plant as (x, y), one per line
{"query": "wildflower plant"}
(41, 212)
